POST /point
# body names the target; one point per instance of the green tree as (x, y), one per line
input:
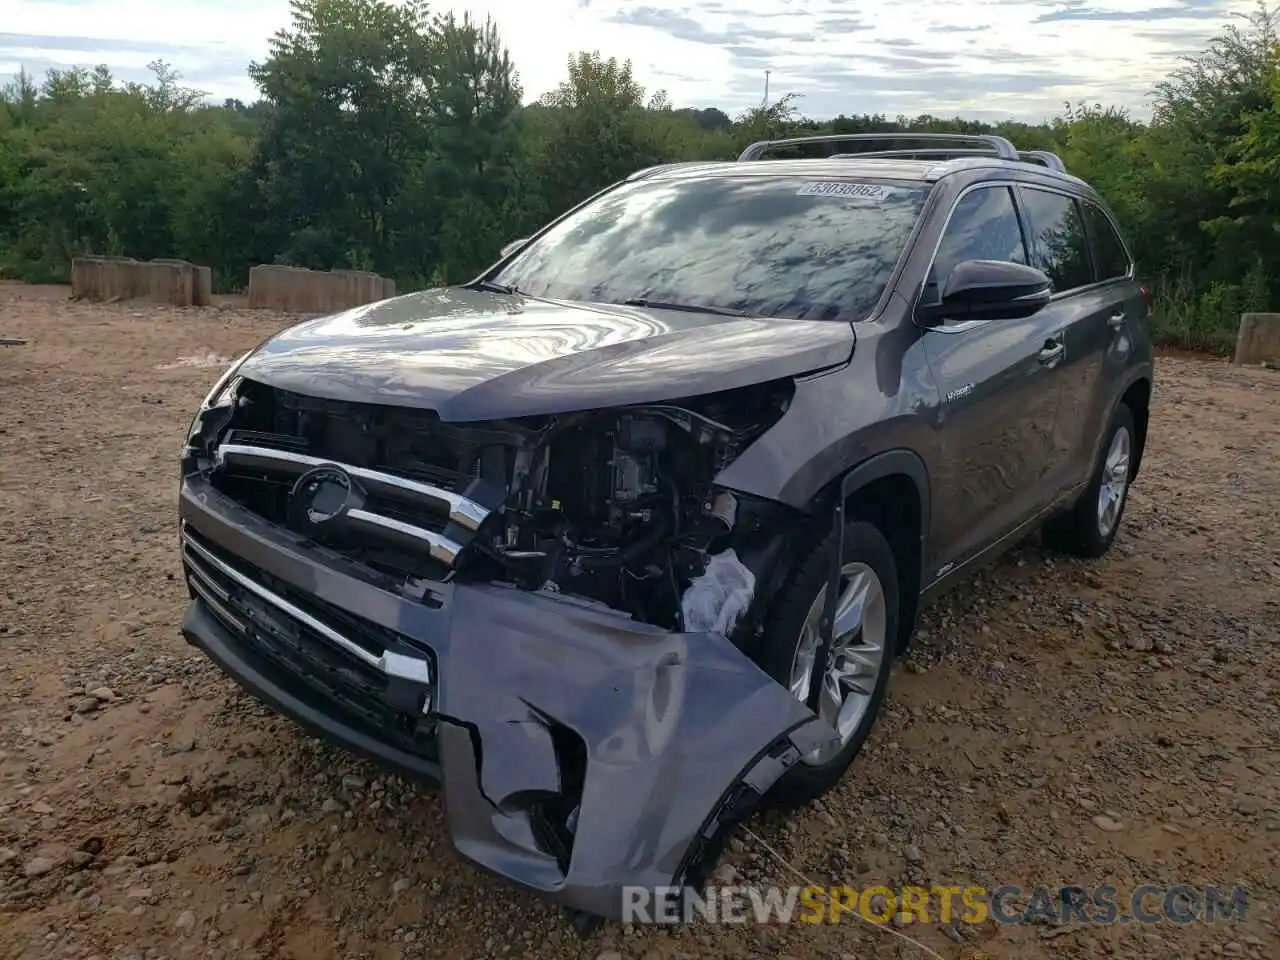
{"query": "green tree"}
(392, 138)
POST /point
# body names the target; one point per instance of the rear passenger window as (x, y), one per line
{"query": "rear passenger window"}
(1113, 260)
(1058, 243)
(983, 226)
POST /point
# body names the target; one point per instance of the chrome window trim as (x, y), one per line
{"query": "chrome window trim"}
(966, 325)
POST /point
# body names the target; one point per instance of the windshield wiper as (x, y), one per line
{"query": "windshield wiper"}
(493, 287)
(686, 307)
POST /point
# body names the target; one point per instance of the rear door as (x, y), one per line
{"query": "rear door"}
(1107, 336)
(999, 392)
(1083, 312)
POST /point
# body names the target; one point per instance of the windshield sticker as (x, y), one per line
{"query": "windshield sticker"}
(846, 190)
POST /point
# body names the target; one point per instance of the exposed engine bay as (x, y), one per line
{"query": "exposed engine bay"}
(619, 506)
(616, 507)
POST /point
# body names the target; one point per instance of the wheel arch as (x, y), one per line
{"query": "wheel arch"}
(1137, 397)
(891, 490)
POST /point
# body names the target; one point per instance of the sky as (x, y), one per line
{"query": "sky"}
(986, 59)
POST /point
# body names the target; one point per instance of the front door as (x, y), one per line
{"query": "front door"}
(999, 394)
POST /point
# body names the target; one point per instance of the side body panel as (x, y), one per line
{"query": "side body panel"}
(1005, 426)
(1000, 404)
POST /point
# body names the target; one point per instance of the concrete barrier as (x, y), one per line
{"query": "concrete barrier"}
(1258, 340)
(299, 290)
(112, 279)
(202, 288)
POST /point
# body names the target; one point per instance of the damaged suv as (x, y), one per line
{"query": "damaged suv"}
(622, 537)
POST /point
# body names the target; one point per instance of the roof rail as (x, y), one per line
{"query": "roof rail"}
(978, 141)
(1050, 160)
(923, 153)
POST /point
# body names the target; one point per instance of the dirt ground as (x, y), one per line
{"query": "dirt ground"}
(1112, 722)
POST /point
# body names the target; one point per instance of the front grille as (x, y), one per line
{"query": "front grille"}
(419, 479)
(374, 680)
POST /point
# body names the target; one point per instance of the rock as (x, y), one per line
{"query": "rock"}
(41, 808)
(1249, 806)
(37, 867)
(1105, 823)
(401, 885)
(350, 782)
(87, 705)
(182, 744)
(7, 855)
(1140, 643)
(725, 874)
(105, 694)
(912, 854)
(186, 920)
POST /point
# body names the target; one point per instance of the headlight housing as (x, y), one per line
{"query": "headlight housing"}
(221, 395)
(222, 388)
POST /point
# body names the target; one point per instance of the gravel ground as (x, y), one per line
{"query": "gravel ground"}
(1057, 722)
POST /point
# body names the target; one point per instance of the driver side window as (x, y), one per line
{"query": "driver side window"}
(983, 226)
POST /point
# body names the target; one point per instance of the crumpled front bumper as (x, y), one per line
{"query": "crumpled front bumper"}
(580, 752)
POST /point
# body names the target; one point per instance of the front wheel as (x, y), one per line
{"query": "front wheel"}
(1089, 528)
(866, 625)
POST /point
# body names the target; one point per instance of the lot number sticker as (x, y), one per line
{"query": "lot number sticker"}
(846, 190)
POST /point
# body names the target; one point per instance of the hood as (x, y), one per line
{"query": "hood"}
(473, 355)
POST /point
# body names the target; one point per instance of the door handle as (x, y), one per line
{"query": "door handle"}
(1116, 321)
(1052, 352)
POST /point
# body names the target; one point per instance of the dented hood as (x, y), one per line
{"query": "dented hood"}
(473, 355)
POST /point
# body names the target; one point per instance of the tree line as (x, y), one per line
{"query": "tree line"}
(393, 139)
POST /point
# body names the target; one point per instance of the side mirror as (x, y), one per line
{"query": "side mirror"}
(990, 290)
(512, 247)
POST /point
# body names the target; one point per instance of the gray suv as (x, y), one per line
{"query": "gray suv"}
(618, 541)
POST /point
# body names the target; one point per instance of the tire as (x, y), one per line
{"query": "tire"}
(1084, 531)
(866, 551)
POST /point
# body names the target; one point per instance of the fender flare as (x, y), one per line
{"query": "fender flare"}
(1123, 386)
(899, 460)
(887, 463)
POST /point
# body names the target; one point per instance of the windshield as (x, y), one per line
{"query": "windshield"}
(766, 246)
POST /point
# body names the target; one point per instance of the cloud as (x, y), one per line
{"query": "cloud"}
(979, 58)
(1185, 10)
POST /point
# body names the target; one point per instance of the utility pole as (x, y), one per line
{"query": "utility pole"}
(765, 103)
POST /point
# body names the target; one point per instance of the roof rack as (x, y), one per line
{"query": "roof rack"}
(933, 145)
(999, 145)
(1050, 160)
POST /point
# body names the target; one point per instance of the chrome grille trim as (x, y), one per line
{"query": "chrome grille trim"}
(442, 548)
(462, 510)
(206, 591)
(282, 604)
(390, 662)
